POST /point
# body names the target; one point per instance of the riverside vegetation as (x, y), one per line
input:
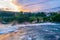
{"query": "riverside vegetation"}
(21, 17)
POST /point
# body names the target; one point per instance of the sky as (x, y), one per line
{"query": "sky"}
(7, 5)
(30, 5)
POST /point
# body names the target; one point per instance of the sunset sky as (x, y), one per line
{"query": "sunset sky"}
(30, 5)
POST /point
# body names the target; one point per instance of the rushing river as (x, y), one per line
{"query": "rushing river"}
(43, 31)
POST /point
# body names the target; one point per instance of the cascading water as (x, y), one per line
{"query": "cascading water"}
(43, 31)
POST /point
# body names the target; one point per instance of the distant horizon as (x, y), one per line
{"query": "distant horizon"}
(32, 12)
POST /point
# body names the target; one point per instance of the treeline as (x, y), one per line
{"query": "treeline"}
(21, 17)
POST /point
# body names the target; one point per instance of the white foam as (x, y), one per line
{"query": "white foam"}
(9, 28)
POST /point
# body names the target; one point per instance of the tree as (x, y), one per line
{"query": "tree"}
(40, 14)
(56, 18)
(31, 19)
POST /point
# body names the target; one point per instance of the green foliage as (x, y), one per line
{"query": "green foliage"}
(21, 17)
(56, 18)
(40, 14)
(6, 16)
(31, 19)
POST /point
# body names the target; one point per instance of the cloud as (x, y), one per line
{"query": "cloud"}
(37, 5)
(7, 5)
(31, 5)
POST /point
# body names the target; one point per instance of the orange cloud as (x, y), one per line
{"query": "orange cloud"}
(19, 6)
(24, 8)
(7, 5)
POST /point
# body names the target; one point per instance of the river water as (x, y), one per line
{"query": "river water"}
(42, 31)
